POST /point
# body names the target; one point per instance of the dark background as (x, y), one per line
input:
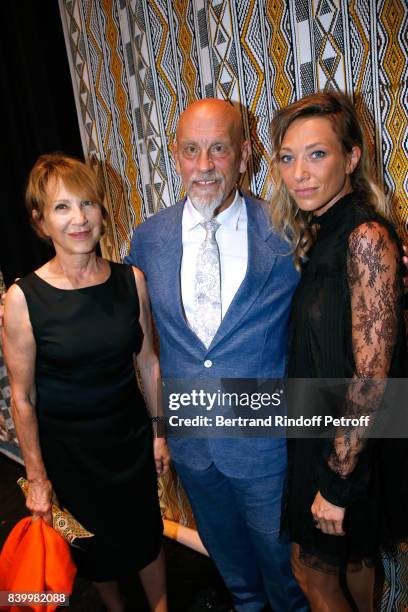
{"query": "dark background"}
(39, 116)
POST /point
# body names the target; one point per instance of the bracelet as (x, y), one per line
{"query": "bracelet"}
(37, 480)
(159, 429)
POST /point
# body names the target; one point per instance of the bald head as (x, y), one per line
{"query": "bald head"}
(213, 111)
(210, 153)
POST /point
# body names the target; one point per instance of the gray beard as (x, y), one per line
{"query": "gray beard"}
(207, 208)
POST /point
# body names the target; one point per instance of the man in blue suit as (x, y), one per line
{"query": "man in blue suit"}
(234, 485)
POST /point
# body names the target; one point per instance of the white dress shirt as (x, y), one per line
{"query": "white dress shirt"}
(232, 242)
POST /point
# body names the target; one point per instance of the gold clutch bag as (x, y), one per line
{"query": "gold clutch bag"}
(62, 521)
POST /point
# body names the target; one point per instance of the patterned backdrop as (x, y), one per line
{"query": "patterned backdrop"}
(136, 64)
(8, 436)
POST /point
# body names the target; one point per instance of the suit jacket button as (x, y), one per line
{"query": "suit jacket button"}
(207, 363)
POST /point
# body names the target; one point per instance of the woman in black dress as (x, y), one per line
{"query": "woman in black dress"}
(346, 498)
(71, 330)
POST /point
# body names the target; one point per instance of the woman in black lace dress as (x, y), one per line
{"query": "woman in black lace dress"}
(345, 496)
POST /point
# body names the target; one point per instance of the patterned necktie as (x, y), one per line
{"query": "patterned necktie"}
(207, 292)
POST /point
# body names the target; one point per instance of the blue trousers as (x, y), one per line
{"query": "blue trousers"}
(238, 520)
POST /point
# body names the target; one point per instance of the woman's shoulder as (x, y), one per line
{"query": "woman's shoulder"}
(363, 211)
(15, 306)
(371, 244)
(28, 281)
(363, 220)
(15, 295)
(126, 270)
(130, 278)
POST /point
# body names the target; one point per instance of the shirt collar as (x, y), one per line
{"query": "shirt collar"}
(228, 218)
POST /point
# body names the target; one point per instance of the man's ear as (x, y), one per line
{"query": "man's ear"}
(353, 159)
(246, 151)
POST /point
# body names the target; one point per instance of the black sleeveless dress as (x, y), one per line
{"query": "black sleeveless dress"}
(95, 434)
(322, 346)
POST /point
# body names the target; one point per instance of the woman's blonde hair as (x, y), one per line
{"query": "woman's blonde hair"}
(292, 223)
(76, 177)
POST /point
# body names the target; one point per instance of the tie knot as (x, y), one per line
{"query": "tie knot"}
(211, 226)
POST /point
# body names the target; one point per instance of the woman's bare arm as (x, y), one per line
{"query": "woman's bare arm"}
(20, 353)
(149, 368)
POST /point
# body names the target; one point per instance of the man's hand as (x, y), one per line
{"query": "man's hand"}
(161, 455)
(327, 517)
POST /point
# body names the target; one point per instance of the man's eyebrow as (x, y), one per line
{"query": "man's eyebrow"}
(184, 143)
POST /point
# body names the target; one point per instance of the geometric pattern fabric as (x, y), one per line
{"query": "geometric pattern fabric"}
(136, 64)
(8, 437)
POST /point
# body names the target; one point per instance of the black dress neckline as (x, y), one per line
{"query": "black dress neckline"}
(333, 215)
(105, 282)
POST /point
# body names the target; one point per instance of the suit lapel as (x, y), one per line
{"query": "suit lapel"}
(169, 260)
(261, 260)
(171, 245)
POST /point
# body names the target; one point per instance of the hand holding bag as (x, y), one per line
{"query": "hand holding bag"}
(62, 520)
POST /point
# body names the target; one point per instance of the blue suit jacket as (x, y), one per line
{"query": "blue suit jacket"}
(251, 341)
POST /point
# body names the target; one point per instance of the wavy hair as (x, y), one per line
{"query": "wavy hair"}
(291, 222)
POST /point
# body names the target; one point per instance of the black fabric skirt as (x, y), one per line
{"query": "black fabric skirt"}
(110, 487)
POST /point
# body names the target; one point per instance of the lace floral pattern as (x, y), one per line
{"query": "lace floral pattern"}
(372, 274)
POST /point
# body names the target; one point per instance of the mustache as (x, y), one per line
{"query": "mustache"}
(209, 176)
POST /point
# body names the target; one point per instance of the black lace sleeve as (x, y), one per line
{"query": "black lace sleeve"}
(373, 280)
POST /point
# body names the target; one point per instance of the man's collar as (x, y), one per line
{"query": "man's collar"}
(228, 218)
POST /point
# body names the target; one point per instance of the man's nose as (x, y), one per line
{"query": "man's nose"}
(205, 161)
